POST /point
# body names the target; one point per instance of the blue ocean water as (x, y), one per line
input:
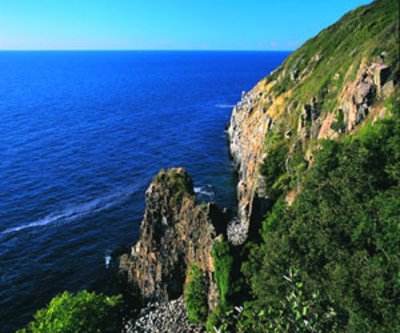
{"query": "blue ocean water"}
(81, 136)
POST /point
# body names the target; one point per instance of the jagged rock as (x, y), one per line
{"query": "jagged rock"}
(356, 90)
(294, 74)
(175, 233)
(246, 133)
(363, 93)
(380, 73)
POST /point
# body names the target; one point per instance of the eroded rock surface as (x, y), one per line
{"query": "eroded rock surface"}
(175, 233)
(265, 109)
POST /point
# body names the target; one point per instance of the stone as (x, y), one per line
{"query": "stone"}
(294, 74)
(380, 73)
(388, 89)
(175, 233)
(363, 93)
(163, 318)
(317, 57)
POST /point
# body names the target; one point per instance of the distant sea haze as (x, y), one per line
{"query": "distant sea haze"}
(82, 135)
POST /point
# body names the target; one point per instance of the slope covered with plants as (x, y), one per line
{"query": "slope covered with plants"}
(317, 148)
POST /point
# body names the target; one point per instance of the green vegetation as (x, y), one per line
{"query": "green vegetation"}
(338, 125)
(295, 313)
(342, 234)
(84, 312)
(283, 166)
(274, 165)
(223, 266)
(195, 297)
(177, 182)
(360, 35)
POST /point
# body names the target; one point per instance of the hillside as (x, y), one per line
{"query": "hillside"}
(315, 244)
(316, 144)
(328, 89)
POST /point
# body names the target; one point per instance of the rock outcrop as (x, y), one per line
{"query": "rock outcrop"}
(248, 126)
(175, 233)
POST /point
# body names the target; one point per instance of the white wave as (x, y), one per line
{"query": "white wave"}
(224, 106)
(107, 259)
(205, 190)
(77, 211)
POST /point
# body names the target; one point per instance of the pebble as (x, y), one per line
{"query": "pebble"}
(168, 317)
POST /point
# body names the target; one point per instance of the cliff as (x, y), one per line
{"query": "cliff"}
(325, 96)
(175, 234)
(330, 88)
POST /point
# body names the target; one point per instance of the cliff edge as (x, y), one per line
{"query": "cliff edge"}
(330, 88)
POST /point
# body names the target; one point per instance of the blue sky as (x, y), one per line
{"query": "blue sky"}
(166, 24)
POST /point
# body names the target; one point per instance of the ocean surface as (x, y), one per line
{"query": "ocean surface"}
(82, 134)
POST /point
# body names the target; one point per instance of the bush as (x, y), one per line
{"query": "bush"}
(84, 312)
(222, 266)
(273, 167)
(342, 233)
(195, 297)
(214, 320)
(294, 313)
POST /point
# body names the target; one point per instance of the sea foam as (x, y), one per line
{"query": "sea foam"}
(77, 211)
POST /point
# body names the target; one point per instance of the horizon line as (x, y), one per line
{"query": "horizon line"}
(143, 50)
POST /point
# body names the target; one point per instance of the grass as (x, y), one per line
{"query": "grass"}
(362, 34)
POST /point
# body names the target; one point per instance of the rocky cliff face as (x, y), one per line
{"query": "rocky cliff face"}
(328, 89)
(247, 130)
(175, 233)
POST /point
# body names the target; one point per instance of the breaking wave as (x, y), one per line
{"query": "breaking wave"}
(76, 212)
(205, 191)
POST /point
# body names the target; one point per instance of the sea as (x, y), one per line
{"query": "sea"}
(82, 134)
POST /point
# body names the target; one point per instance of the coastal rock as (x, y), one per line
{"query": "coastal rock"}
(269, 107)
(175, 233)
(246, 133)
(380, 73)
(165, 317)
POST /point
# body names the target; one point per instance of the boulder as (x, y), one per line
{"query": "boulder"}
(363, 93)
(381, 73)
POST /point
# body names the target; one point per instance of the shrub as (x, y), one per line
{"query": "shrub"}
(223, 266)
(215, 318)
(84, 312)
(273, 167)
(342, 233)
(195, 297)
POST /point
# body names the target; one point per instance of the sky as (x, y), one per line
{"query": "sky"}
(165, 24)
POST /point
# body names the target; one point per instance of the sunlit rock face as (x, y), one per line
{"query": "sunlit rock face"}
(354, 95)
(175, 233)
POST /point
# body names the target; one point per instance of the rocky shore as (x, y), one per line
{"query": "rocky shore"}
(163, 318)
